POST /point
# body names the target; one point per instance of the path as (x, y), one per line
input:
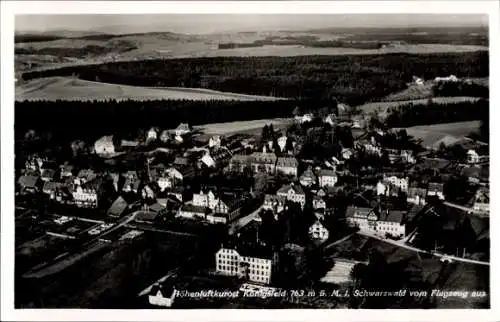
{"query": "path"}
(243, 221)
(402, 244)
(466, 209)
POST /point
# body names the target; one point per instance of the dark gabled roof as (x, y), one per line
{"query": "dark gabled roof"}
(261, 157)
(327, 172)
(193, 208)
(29, 181)
(231, 200)
(308, 173)
(474, 172)
(181, 161)
(362, 211)
(433, 186)
(256, 251)
(413, 192)
(166, 289)
(51, 186)
(118, 207)
(272, 198)
(48, 173)
(296, 188)
(397, 216)
(287, 162)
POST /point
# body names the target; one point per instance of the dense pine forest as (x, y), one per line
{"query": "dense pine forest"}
(81, 120)
(351, 79)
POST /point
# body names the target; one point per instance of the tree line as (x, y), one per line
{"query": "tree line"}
(80, 120)
(421, 114)
(449, 89)
(351, 79)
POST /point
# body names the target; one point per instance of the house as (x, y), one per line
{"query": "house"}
(287, 166)
(205, 199)
(253, 263)
(407, 156)
(129, 143)
(229, 204)
(376, 221)
(274, 203)
(327, 178)
(147, 192)
(239, 163)
(193, 212)
(304, 118)
(207, 160)
(215, 141)
(451, 78)
(293, 193)
(318, 202)
(162, 295)
(181, 161)
(401, 183)
(308, 178)
(66, 171)
(29, 184)
(87, 195)
(118, 207)
(165, 182)
(482, 200)
(346, 153)
(472, 173)
(436, 189)
(175, 192)
(317, 231)
(104, 146)
(330, 119)
(472, 157)
(165, 136)
(418, 81)
(416, 196)
(282, 142)
(152, 135)
(182, 129)
(263, 162)
(391, 222)
(179, 173)
(48, 175)
(132, 183)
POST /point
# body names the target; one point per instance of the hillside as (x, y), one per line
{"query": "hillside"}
(71, 89)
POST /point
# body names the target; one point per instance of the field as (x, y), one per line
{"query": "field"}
(66, 88)
(246, 127)
(381, 108)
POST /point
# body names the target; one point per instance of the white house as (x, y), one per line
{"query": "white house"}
(104, 146)
(416, 196)
(379, 222)
(164, 136)
(215, 141)
(317, 231)
(287, 165)
(205, 199)
(304, 118)
(87, 195)
(165, 182)
(346, 153)
(330, 119)
(193, 212)
(282, 142)
(152, 135)
(162, 295)
(472, 157)
(401, 183)
(274, 203)
(308, 178)
(451, 78)
(293, 193)
(318, 202)
(182, 129)
(482, 200)
(254, 264)
(207, 160)
(327, 178)
(436, 189)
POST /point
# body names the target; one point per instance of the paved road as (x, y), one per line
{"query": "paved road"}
(144, 227)
(402, 244)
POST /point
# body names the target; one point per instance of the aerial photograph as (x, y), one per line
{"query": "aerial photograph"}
(251, 161)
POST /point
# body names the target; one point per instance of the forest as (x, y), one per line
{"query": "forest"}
(421, 114)
(89, 120)
(450, 89)
(79, 52)
(352, 79)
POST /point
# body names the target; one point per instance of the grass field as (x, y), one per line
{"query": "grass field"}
(62, 88)
(246, 127)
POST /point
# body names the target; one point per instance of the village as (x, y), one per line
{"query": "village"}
(309, 183)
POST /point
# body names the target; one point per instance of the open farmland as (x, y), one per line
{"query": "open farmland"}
(71, 89)
(242, 126)
(381, 108)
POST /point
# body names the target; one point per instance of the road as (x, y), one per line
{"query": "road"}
(161, 280)
(145, 228)
(402, 244)
(243, 221)
(466, 209)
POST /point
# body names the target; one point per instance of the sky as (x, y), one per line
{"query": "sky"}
(205, 23)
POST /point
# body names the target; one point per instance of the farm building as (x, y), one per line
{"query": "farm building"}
(104, 146)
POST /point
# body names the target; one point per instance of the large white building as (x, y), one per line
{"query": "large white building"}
(104, 146)
(287, 165)
(327, 178)
(376, 221)
(87, 195)
(255, 265)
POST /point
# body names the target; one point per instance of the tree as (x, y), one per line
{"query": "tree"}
(358, 272)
